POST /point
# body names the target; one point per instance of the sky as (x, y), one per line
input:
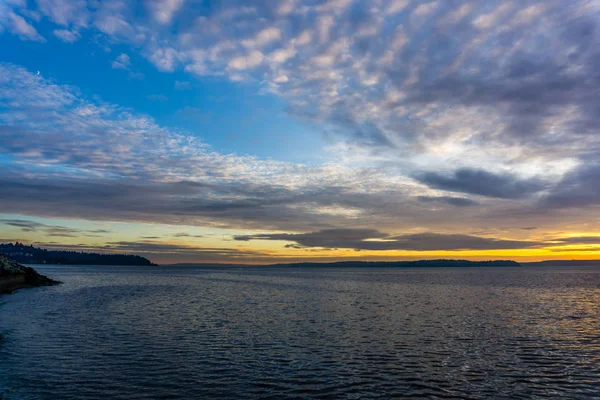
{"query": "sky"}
(286, 130)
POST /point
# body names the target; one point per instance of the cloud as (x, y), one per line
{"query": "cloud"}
(121, 62)
(26, 226)
(425, 8)
(99, 231)
(154, 249)
(471, 78)
(263, 38)
(183, 234)
(82, 158)
(119, 165)
(150, 246)
(454, 201)
(490, 99)
(243, 62)
(215, 204)
(483, 183)
(371, 239)
(395, 6)
(51, 230)
(579, 188)
(165, 58)
(164, 10)
(20, 27)
(65, 12)
(579, 240)
(67, 36)
(577, 250)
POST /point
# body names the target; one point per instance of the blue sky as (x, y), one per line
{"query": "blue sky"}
(229, 116)
(315, 129)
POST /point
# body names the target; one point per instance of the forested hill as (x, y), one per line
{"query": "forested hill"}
(33, 255)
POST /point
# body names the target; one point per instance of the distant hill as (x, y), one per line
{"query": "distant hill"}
(413, 264)
(375, 264)
(564, 263)
(33, 255)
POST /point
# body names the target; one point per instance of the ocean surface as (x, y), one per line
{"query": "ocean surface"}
(235, 333)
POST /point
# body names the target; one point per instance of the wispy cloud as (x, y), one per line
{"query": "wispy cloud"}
(94, 160)
(441, 115)
(126, 158)
(19, 25)
(371, 239)
(66, 35)
(466, 77)
(51, 230)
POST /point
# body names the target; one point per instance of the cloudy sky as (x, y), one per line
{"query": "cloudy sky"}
(272, 130)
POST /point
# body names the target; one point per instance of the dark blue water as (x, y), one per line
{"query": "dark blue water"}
(151, 333)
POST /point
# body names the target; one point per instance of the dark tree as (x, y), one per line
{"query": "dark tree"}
(33, 255)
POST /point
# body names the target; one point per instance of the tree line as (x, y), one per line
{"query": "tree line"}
(34, 255)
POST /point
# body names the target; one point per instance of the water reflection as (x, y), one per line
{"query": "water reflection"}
(236, 333)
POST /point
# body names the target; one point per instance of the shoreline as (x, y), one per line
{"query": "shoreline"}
(9, 285)
(14, 276)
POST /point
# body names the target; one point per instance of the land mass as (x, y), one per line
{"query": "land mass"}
(563, 263)
(15, 276)
(375, 264)
(409, 264)
(34, 255)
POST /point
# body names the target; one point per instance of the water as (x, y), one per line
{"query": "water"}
(149, 333)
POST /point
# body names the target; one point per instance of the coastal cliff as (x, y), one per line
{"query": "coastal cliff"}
(15, 276)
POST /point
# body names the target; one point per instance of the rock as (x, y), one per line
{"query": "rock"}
(15, 276)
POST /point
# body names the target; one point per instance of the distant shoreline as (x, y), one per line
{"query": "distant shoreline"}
(401, 264)
(441, 263)
(355, 264)
(37, 256)
(562, 263)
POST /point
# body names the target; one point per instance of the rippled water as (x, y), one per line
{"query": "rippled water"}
(149, 333)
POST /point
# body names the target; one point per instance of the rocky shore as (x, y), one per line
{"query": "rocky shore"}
(15, 276)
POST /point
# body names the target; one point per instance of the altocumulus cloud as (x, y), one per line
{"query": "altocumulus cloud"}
(97, 161)
(510, 69)
(124, 166)
(500, 86)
